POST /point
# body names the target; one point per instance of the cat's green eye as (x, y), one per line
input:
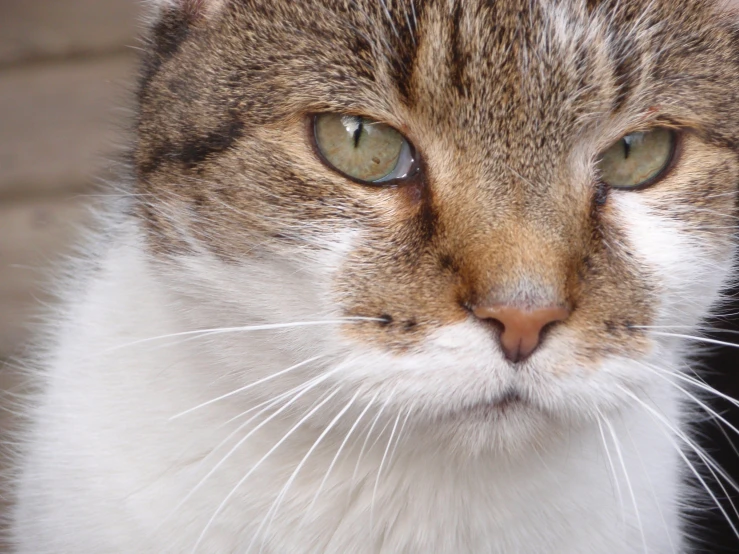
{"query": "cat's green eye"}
(363, 149)
(638, 159)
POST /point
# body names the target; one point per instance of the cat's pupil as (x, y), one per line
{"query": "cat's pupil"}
(627, 147)
(358, 132)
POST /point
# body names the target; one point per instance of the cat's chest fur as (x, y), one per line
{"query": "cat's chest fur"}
(120, 475)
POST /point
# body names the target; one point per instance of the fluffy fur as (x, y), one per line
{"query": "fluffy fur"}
(269, 357)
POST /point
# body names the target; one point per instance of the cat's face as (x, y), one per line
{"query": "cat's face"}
(507, 108)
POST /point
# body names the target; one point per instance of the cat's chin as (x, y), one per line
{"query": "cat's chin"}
(507, 426)
(498, 411)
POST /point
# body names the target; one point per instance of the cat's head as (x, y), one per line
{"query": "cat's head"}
(515, 194)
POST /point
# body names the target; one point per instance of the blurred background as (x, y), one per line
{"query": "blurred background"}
(66, 73)
(67, 69)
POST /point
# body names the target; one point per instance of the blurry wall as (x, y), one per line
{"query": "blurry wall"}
(66, 69)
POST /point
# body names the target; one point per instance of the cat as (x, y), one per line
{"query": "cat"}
(413, 276)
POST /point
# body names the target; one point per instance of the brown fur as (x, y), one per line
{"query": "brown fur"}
(507, 114)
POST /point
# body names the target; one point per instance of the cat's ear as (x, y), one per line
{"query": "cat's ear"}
(193, 9)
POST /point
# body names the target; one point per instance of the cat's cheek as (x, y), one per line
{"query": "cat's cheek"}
(689, 271)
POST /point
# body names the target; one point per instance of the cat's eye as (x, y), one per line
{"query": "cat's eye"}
(363, 149)
(637, 159)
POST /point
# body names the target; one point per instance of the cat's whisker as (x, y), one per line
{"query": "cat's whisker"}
(338, 453)
(517, 174)
(270, 402)
(693, 381)
(379, 470)
(370, 39)
(380, 434)
(725, 316)
(283, 492)
(703, 483)
(650, 484)
(698, 381)
(707, 460)
(614, 475)
(703, 386)
(247, 328)
(408, 24)
(699, 327)
(697, 339)
(266, 406)
(256, 466)
(256, 383)
(389, 18)
(366, 440)
(726, 436)
(264, 422)
(702, 329)
(629, 486)
(400, 433)
(661, 419)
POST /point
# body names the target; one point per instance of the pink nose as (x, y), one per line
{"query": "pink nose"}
(521, 328)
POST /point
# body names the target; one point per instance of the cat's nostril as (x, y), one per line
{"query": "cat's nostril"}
(520, 329)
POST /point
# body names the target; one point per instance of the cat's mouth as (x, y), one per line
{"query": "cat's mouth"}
(503, 405)
(509, 399)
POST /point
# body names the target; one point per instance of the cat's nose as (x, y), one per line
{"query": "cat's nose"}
(521, 329)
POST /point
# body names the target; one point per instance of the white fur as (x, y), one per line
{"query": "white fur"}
(117, 459)
(156, 6)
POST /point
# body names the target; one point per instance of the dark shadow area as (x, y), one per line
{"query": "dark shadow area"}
(721, 371)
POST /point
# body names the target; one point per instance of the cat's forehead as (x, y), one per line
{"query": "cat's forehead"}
(481, 66)
(488, 75)
(512, 80)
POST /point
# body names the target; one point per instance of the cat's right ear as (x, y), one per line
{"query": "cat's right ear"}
(191, 9)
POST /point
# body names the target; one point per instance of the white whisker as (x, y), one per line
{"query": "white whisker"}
(278, 501)
(707, 388)
(228, 455)
(650, 484)
(389, 18)
(617, 446)
(702, 328)
(248, 328)
(257, 465)
(265, 406)
(400, 433)
(710, 463)
(247, 387)
(408, 24)
(698, 339)
(338, 453)
(612, 466)
(379, 470)
(369, 433)
(657, 416)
